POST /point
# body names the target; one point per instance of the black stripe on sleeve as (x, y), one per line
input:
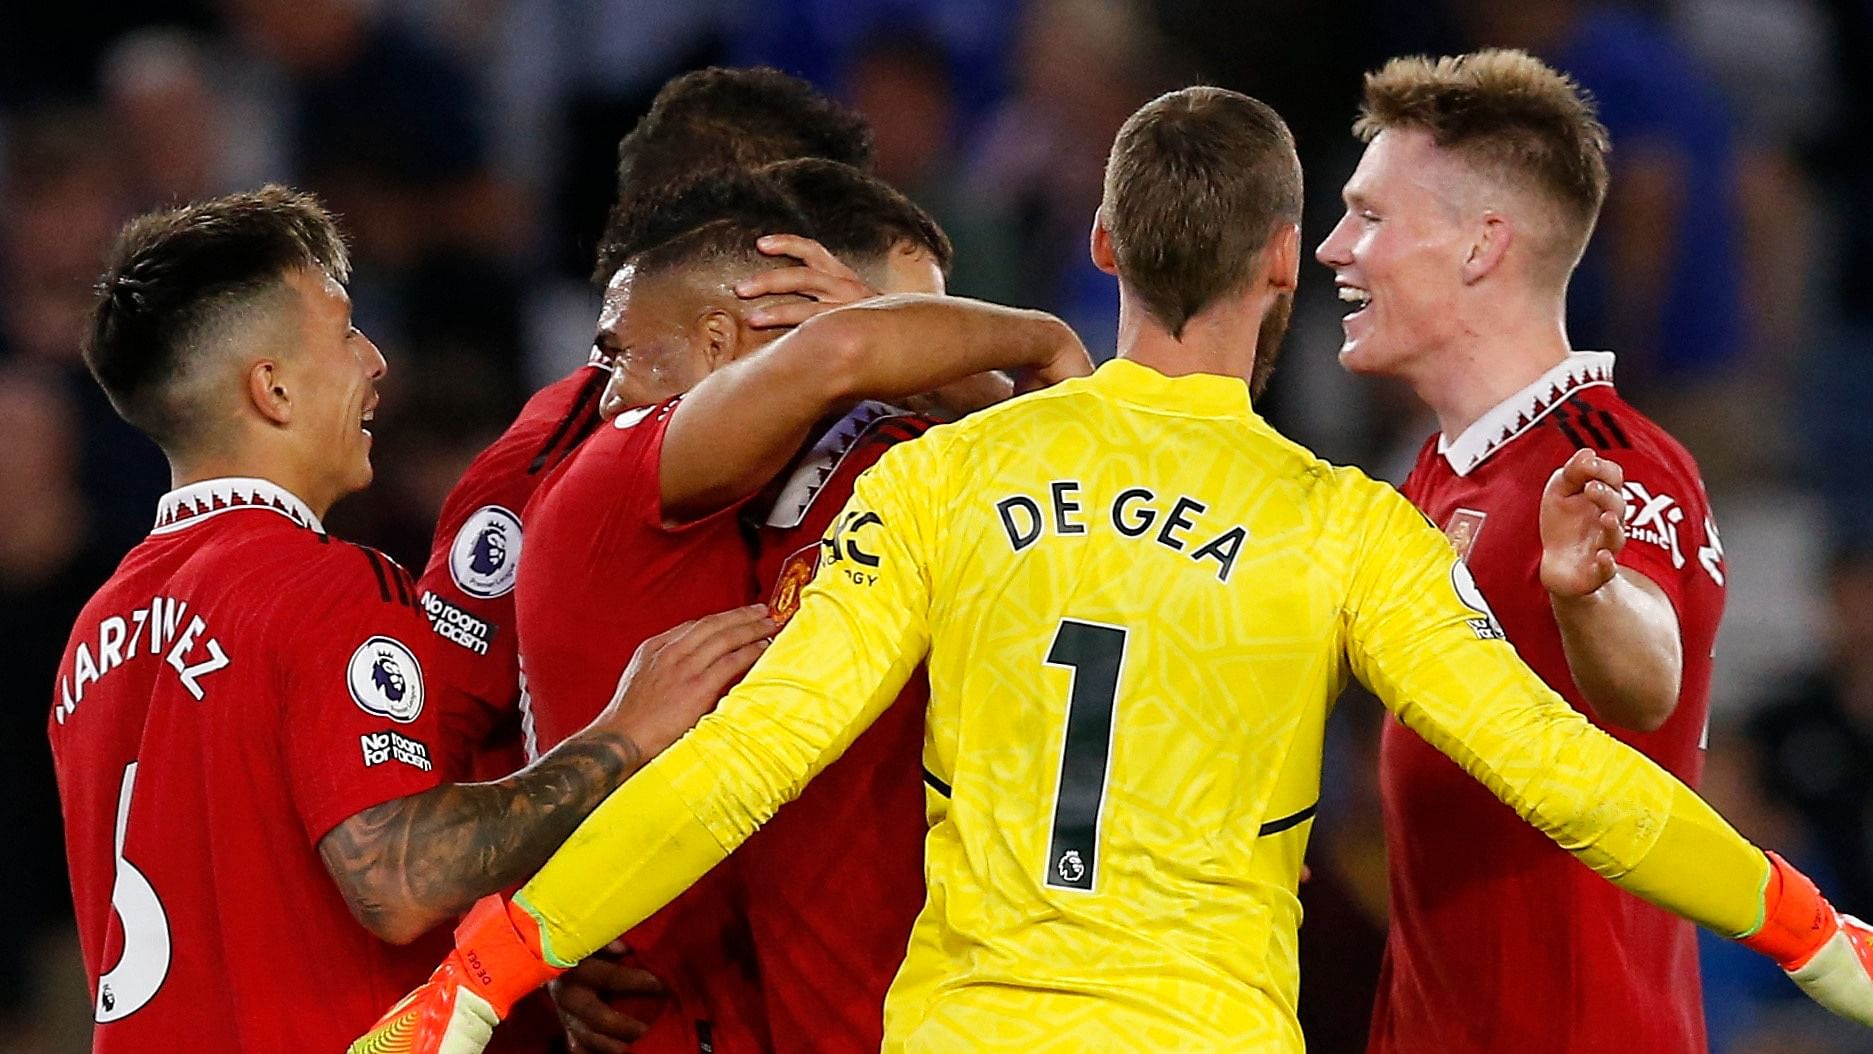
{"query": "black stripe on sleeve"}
(1560, 420)
(406, 592)
(1287, 822)
(583, 417)
(377, 568)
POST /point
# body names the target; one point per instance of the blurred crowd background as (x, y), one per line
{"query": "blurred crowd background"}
(468, 145)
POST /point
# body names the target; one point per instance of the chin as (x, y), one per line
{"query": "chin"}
(1362, 357)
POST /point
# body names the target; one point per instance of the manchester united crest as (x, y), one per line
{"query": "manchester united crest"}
(795, 573)
(1462, 530)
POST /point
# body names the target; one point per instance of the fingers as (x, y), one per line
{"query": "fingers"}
(805, 250)
(792, 313)
(727, 669)
(593, 1020)
(697, 633)
(822, 286)
(708, 639)
(1586, 467)
(612, 978)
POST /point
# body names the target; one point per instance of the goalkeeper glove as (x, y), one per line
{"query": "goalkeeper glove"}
(1828, 954)
(497, 960)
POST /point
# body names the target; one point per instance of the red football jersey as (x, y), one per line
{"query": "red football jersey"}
(242, 684)
(600, 575)
(1500, 941)
(835, 880)
(467, 589)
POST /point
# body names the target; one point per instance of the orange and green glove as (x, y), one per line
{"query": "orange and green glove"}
(497, 959)
(1828, 954)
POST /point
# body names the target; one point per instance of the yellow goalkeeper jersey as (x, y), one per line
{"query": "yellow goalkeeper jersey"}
(1137, 602)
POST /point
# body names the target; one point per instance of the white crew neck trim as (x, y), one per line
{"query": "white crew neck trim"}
(1523, 410)
(185, 507)
(803, 485)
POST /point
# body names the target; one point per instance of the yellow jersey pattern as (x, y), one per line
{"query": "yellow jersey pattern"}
(1138, 602)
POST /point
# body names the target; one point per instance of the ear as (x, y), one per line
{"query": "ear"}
(1105, 257)
(1284, 258)
(718, 334)
(1489, 249)
(268, 391)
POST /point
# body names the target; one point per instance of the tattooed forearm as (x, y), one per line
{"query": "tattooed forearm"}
(408, 864)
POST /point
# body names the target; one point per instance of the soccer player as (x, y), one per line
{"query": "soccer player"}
(1475, 198)
(700, 120)
(1137, 602)
(827, 962)
(640, 525)
(239, 727)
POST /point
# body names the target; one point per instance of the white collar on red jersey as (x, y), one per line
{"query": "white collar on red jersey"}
(187, 506)
(1521, 411)
(802, 486)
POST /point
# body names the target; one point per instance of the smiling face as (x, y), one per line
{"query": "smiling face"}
(332, 374)
(1398, 253)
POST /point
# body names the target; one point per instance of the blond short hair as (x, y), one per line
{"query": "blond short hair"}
(1508, 115)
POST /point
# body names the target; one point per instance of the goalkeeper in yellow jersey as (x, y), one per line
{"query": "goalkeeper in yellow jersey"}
(1137, 602)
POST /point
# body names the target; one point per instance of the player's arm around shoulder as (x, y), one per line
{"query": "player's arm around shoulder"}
(407, 854)
(742, 423)
(1618, 626)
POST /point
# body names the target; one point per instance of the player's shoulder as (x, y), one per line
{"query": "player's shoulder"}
(1601, 419)
(316, 571)
(549, 427)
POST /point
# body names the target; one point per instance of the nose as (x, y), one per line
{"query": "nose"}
(375, 364)
(1334, 250)
(611, 401)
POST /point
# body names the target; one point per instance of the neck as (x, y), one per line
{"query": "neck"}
(1221, 341)
(251, 465)
(1469, 375)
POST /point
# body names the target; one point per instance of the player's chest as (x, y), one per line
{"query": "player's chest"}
(1492, 519)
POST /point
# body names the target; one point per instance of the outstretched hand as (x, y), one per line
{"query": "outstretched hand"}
(1582, 525)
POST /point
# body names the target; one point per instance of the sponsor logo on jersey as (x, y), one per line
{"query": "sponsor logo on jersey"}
(1710, 554)
(456, 626)
(381, 747)
(1462, 530)
(1071, 868)
(795, 573)
(632, 416)
(486, 554)
(1654, 519)
(386, 680)
(1486, 628)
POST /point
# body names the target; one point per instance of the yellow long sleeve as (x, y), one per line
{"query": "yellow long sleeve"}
(860, 631)
(1419, 635)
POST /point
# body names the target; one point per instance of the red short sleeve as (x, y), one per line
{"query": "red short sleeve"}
(467, 595)
(360, 728)
(1670, 537)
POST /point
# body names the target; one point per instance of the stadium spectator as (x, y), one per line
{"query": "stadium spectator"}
(901, 81)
